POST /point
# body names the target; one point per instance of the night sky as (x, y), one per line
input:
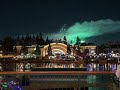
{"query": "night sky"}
(61, 17)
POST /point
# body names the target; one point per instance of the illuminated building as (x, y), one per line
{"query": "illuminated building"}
(56, 48)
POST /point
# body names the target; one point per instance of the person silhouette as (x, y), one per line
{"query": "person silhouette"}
(90, 67)
(118, 71)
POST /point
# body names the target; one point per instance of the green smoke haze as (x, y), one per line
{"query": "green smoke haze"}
(87, 30)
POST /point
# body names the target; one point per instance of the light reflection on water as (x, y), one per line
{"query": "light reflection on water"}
(90, 79)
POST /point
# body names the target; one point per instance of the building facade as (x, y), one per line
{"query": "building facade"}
(60, 48)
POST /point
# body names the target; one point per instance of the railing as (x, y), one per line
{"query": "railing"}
(20, 65)
(57, 73)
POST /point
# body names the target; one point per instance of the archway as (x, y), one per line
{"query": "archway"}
(56, 48)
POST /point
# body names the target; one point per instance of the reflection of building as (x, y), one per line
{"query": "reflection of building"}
(56, 48)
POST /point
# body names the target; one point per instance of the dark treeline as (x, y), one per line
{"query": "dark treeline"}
(27, 40)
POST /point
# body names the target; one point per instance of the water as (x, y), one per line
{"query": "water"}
(63, 81)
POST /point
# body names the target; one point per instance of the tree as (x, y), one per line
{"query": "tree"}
(28, 40)
(1, 42)
(33, 39)
(109, 46)
(68, 49)
(22, 40)
(60, 40)
(37, 39)
(78, 50)
(41, 40)
(78, 41)
(47, 41)
(71, 42)
(49, 50)
(65, 40)
(7, 45)
(117, 46)
(37, 51)
(97, 50)
(15, 50)
(18, 40)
